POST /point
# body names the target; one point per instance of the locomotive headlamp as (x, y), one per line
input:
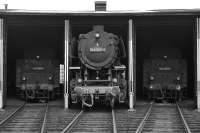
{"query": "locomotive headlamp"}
(178, 78)
(178, 87)
(114, 80)
(38, 57)
(79, 80)
(151, 86)
(151, 77)
(97, 35)
(23, 78)
(50, 77)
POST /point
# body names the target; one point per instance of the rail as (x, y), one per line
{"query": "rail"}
(114, 122)
(12, 114)
(141, 126)
(187, 129)
(44, 119)
(72, 123)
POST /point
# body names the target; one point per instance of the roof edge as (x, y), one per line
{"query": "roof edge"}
(102, 13)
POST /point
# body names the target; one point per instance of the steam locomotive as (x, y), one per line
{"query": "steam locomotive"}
(37, 78)
(98, 74)
(165, 75)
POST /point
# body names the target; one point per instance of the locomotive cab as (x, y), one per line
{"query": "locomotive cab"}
(100, 76)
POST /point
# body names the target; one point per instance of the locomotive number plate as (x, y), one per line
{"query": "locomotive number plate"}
(165, 68)
(38, 68)
(97, 49)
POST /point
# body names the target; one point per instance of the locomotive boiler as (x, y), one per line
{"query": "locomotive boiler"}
(165, 75)
(37, 78)
(98, 76)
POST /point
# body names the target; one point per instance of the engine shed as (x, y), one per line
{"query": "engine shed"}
(141, 31)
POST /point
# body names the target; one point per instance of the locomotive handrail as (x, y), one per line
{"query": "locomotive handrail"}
(12, 114)
(44, 119)
(140, 127)
(187, 129)
(72, 123)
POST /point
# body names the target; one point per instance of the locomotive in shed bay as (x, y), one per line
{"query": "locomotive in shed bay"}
(96, 73)
(37, 78)
(165, 75)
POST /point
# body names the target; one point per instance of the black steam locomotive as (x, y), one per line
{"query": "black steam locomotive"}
(165, 74)
(37, 78)
(98, 74)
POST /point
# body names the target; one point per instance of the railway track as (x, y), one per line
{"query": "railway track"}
(193, 119)
(28, 118)
(163, 118)
(128, 122)
(57, 118)
(8, 112)
(41, 118)
(92, 121)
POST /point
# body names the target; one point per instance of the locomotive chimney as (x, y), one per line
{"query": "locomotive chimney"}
(100, 5)
(6, 6)
(98, 28)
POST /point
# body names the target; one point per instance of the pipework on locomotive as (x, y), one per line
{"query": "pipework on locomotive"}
(97, 74)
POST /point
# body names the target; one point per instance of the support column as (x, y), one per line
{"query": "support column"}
(2, 63)
(198, 62)
(66, 65)
(132, 65)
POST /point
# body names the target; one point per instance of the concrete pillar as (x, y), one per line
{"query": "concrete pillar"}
(66, 65)
(198, 62)
(132, 65)
(2, 63)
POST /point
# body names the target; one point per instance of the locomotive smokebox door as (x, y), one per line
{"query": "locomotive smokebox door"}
(98, 49)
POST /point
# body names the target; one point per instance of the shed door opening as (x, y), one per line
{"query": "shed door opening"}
(35, 52)
(165, 39)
